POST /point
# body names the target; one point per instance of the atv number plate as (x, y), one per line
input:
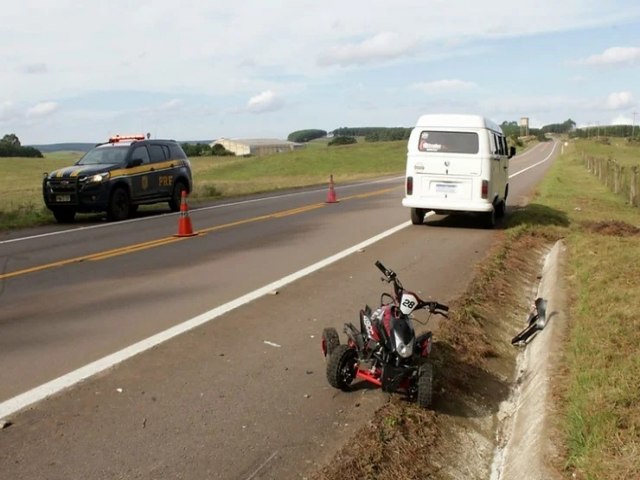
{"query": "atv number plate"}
(63, 198)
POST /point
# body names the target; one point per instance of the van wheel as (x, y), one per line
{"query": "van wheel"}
(417, 216)
(119, 205)
(490, 219)
(64, 214)
(176, 196)
(501, 209)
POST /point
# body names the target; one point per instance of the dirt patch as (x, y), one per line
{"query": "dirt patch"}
(613, 228)
(475, 370)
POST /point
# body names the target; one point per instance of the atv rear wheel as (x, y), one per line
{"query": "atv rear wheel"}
(341, 367)
(330, 340)
(425, 385)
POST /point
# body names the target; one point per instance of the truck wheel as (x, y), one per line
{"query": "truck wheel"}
(176, 196)
(64, 214)
(417, 216)
(330, 340)
(425, 385)
(341, 367)
(119, 205)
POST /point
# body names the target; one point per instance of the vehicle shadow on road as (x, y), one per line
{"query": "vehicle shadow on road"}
(464, 389)
(535, 215)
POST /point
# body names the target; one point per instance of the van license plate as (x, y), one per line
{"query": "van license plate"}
(446, 187)
(63, 198)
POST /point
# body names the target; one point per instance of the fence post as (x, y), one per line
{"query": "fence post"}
(616, 178)
(633, 187)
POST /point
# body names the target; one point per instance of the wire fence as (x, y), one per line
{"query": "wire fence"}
(621, 179)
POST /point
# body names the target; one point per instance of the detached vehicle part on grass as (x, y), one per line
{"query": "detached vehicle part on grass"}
(384, 350)
(117, 176)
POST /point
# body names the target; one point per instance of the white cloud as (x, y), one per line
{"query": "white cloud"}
(381, 47)
(619, 100)
(173, 104)
(621, 120)
(615, 56)
(7, 111)
(266, 101)
(34, 69)
(230, 54)
(42, 109)
(446, 85)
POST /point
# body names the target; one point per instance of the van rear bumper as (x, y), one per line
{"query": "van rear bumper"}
(447, 206)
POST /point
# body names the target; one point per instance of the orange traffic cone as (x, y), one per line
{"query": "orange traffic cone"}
(331, 196)
(184, 223)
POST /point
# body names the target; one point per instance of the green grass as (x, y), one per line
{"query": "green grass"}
(309, 166)
(618, 149)
(21, 202)
(601, 418)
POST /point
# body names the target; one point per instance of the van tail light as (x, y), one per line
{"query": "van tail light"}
(409, 185)
(485, 189)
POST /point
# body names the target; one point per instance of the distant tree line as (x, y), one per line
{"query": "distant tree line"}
(606, 130)
(342, 140)
(203, 149)
(303, 136)
(10, 147)
(374, 134)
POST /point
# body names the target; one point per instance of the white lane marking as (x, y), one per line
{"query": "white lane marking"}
(52, 387)
(191, 210)
(262, 466)
(536, 164)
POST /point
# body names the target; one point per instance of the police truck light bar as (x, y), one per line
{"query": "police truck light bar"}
(120, 138)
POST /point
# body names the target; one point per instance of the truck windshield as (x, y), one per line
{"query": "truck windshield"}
(448, 142)
(104, 155)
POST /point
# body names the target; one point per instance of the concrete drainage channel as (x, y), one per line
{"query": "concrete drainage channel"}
(524, 449)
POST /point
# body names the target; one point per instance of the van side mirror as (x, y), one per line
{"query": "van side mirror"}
(134, 162)
(512, 151)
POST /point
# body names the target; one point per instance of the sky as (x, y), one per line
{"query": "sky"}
(82, 70)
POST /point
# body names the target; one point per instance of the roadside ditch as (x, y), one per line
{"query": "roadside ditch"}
(490, 418)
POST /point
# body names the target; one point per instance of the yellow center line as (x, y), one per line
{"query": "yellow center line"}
(168, 240)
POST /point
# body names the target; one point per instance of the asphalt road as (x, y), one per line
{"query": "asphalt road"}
(243, 395)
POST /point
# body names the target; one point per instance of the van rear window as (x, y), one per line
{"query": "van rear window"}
(448, 142)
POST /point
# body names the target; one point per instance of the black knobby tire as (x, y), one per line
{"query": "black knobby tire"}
(501, 209)
(425, 385)
(417, 216)
(341, 367)
(64, 214)
(119, 205)
(330, 340)
(176, 196)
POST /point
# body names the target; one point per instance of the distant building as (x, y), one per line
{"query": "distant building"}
(256, 146)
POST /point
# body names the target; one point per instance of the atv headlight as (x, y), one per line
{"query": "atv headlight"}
(404, 351)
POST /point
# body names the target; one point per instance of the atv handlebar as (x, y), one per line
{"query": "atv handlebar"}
(438, 306)
(391, 277)
(389, 274)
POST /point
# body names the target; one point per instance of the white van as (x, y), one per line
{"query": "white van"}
(457, 163)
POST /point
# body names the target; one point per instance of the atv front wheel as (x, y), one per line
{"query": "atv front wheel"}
(330, 340)
(425, 385)
(341, 367)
